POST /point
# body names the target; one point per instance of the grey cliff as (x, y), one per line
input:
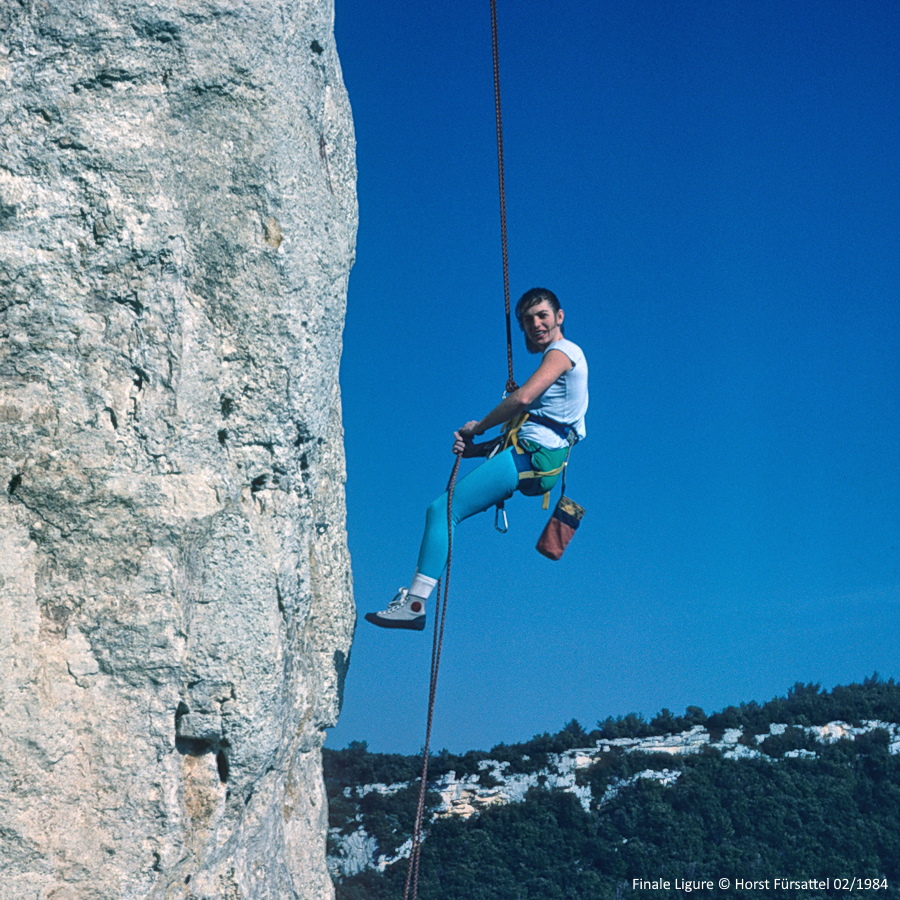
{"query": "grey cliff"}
(177, 225)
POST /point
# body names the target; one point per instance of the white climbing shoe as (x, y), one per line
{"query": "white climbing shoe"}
(404, 611)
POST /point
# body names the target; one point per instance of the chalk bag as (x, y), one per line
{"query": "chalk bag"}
(560, 529)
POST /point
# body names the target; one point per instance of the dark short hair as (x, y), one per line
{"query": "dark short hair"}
(532, 298)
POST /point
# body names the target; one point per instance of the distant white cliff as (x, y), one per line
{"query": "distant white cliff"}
(468, 796)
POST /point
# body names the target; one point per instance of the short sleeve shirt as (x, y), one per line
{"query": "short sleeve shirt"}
(565, 401)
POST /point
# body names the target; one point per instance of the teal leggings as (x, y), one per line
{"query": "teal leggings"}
(494, 480)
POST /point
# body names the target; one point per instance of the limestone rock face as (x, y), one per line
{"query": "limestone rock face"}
(177, 225)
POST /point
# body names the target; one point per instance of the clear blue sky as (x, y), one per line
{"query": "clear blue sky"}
(713, 190)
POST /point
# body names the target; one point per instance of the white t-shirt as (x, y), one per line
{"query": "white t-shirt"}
(565, 401)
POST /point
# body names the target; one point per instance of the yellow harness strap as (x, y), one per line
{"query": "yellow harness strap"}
(511, 430)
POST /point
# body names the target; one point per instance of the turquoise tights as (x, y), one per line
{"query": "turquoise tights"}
(494, 480)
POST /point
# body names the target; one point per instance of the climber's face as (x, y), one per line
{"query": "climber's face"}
(542, 324)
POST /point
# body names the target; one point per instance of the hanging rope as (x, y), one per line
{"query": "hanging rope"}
(501, 179)
(411, 889)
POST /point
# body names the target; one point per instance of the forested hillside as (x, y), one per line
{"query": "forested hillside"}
(803, 787)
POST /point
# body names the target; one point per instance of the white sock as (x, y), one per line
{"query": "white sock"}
(422, 586)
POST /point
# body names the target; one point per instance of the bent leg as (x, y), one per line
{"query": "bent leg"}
(484, 487)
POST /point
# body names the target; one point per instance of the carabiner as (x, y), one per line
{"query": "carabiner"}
(499, 513)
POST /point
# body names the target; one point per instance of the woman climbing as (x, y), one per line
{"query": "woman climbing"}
(555, 399)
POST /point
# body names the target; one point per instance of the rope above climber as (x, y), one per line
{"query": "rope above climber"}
(543, 419)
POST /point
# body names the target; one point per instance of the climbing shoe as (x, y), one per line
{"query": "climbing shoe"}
(404, 611)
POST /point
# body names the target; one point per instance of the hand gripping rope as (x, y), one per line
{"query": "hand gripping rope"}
(411, 888)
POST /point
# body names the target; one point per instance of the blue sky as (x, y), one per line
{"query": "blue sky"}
(712, 189)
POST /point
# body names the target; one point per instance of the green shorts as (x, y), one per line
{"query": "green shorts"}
(542, 459)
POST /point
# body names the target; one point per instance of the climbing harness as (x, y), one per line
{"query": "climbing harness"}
(511, 438)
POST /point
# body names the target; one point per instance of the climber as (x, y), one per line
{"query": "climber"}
(555, 398)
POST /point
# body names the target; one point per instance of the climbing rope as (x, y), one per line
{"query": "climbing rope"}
(501, 179)
(411, 887)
